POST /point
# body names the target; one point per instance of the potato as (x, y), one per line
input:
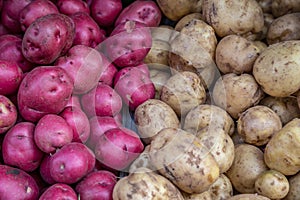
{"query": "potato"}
(258, 124)
(162, 32)
(159, 79)
(282, 151)
(281, 7)
(174, 10)
(248, 197)
(285, 107)
(284, 28)
(206, 115)
(260, 45)
(235, 93)
(143, 161)
(268, 19)
(233, 17)
(182, 158)
(183, 91)
(272, 184)
(236, 54)
(294, 191)
(152, 116)
(145, 184)
(277, 68)
(158, 53)
(266, 5)
(248, 164)
(202, 196)
(184, 21)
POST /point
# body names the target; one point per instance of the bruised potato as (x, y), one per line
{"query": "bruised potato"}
(145, 184)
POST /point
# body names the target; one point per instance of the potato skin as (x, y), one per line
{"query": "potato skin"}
(277, 68)
(145, 184)
(282, 7)
(248, 197)
(294, 191)
(282, 151)
(184, 21)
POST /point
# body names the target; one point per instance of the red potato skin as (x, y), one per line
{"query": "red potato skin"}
(11, 50)
(10, 77)
(118, 147)
(8, 114)
(59, 191)
(143, 11)
(109, 71)
(87, 31)
(74, 101)
(142, 67)
(103, 100)
(79, 123)
(3, 30)
(128, 44)
(19, 148)
(44, 90)
(97, 185)
(69, 7)
(105, 12)
(34, 10)
(44, 170)
(52, 132)
(71, 163)
(17, 184)
(99, 125)
(83, 64)
(47, 38)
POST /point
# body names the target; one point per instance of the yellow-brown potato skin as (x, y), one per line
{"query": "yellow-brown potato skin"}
(248, 197)
(294, 191)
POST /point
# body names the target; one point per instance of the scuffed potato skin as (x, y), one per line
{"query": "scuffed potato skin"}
(145, 184)
(159, 79)
(248, 197)
(143, 161)
(184, 21)
(294, 190)
(282, 7)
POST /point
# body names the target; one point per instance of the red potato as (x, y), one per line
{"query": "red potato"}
(97, 185)
(8, 114)
(71, 163)
(34, 10)
(109, 71)
(10, 14)
(146, 12)
(44, 170)
(19, 148)
(47, 38)
(44, 90)
(16, 184)
(128, 44)
(74, 101)
(79, 123)
(118, 147)
(143, 67)
(11, 50)
(69, 7)
(135, 87)
(99, 125)
(87, 31)
(52, 132)
(83, 64)
(10, 77)
(105, 11)
(59, 191)
(103, 100)
(3, 30)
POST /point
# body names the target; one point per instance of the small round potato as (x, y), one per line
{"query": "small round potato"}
(282, 151)
(277, 69)
(235, 93)
(182, 158)
(282, 7)
(183, 91)
(152, 116)
(294, 191)
(236, 54)
(258, 124)
(145, 184)
(272, 184)
(284, 28)
(233, 17)
(248, 197)
(186, 20)
(248, 164)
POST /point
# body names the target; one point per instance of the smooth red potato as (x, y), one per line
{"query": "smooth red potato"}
(19, 148)
(10, 77)
(3, 30)
(44, 90)
(16, 184)
(34, 10)
(146, 12)
(52, 132)
(87, 31)
(103, 100)
(8, 114)
(97, 185)
(69, 7)
(44, 170)
(79, 123)
(105, 12)
(109, 71)
(143, 67)
(59, 191)
(11, 50)
(47, 38)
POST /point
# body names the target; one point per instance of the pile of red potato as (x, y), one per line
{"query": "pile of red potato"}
(166, 99)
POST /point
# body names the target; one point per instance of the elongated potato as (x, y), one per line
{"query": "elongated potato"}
(282, 151)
